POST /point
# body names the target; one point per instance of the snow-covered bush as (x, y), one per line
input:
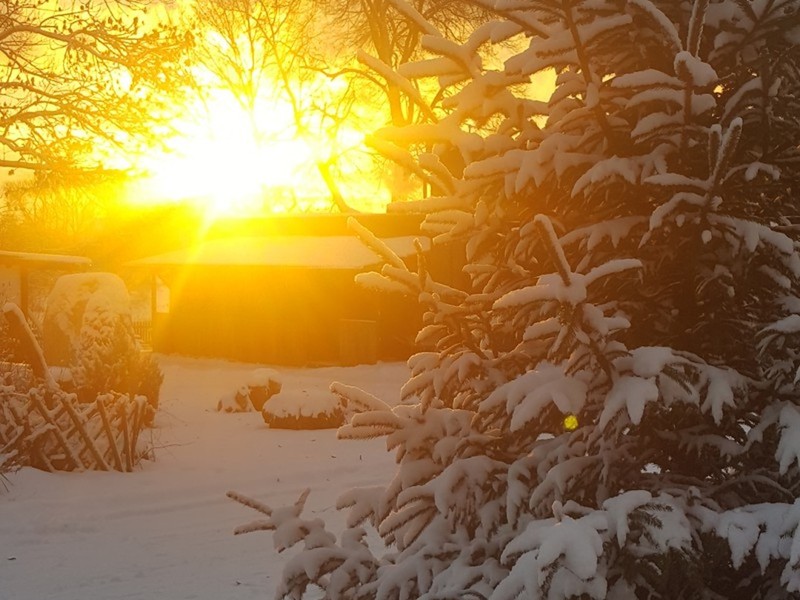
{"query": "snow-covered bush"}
(611, 410)
(236, 401)
(294, 409)
(88, 328)
(44, 425)
(261, 385)
(303, 410)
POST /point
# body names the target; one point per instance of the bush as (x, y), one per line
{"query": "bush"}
(261, 385)
(88, 328)
(301, 411)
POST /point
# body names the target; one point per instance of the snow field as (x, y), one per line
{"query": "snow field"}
(166, 531)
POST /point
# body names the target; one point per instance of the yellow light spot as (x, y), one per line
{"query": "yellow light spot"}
(570, 422)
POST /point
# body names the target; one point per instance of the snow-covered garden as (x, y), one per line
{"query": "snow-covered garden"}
(167, 529)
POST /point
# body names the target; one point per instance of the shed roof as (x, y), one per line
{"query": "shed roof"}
(321, 252)
(36, 259)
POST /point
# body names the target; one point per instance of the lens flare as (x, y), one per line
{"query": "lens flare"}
(570, 423)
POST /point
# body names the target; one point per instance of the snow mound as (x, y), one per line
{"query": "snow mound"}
(260, 386)
(304, 410)
(236, 401)
(263, 377)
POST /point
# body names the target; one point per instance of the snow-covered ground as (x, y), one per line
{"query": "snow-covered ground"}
(165, 532)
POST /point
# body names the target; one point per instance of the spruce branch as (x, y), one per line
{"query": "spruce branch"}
(249, 502)
(696, 22)
(553, 247)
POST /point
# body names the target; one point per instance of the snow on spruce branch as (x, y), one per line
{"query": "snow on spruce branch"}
(610, 406)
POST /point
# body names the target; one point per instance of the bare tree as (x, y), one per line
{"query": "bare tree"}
(234, 49)
(386, 34)
(388, 30)
(289, 49)
(80, 76)
(54, 211)
(268, 50)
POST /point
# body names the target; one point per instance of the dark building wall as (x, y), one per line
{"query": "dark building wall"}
(287, 316)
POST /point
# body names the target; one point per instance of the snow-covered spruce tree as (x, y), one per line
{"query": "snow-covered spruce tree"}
(612, 410)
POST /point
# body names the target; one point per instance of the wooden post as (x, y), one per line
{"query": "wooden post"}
(122, 409)
(112, 439)
(21, 331)
(138, 420)
(24, 291)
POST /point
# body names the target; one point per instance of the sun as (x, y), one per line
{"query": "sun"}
(228, 164)
(225, 156)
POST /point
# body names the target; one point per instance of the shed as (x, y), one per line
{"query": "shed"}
(281, 299)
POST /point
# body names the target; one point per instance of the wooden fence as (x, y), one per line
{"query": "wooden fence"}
(54, 432)
(143, 330)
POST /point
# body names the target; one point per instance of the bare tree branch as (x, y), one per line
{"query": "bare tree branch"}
(76, 76)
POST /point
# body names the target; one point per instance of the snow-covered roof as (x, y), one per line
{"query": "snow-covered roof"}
(7, 257)
(322, 252)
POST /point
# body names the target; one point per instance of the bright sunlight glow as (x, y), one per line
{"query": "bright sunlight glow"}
(261, 146)
(230, 165)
